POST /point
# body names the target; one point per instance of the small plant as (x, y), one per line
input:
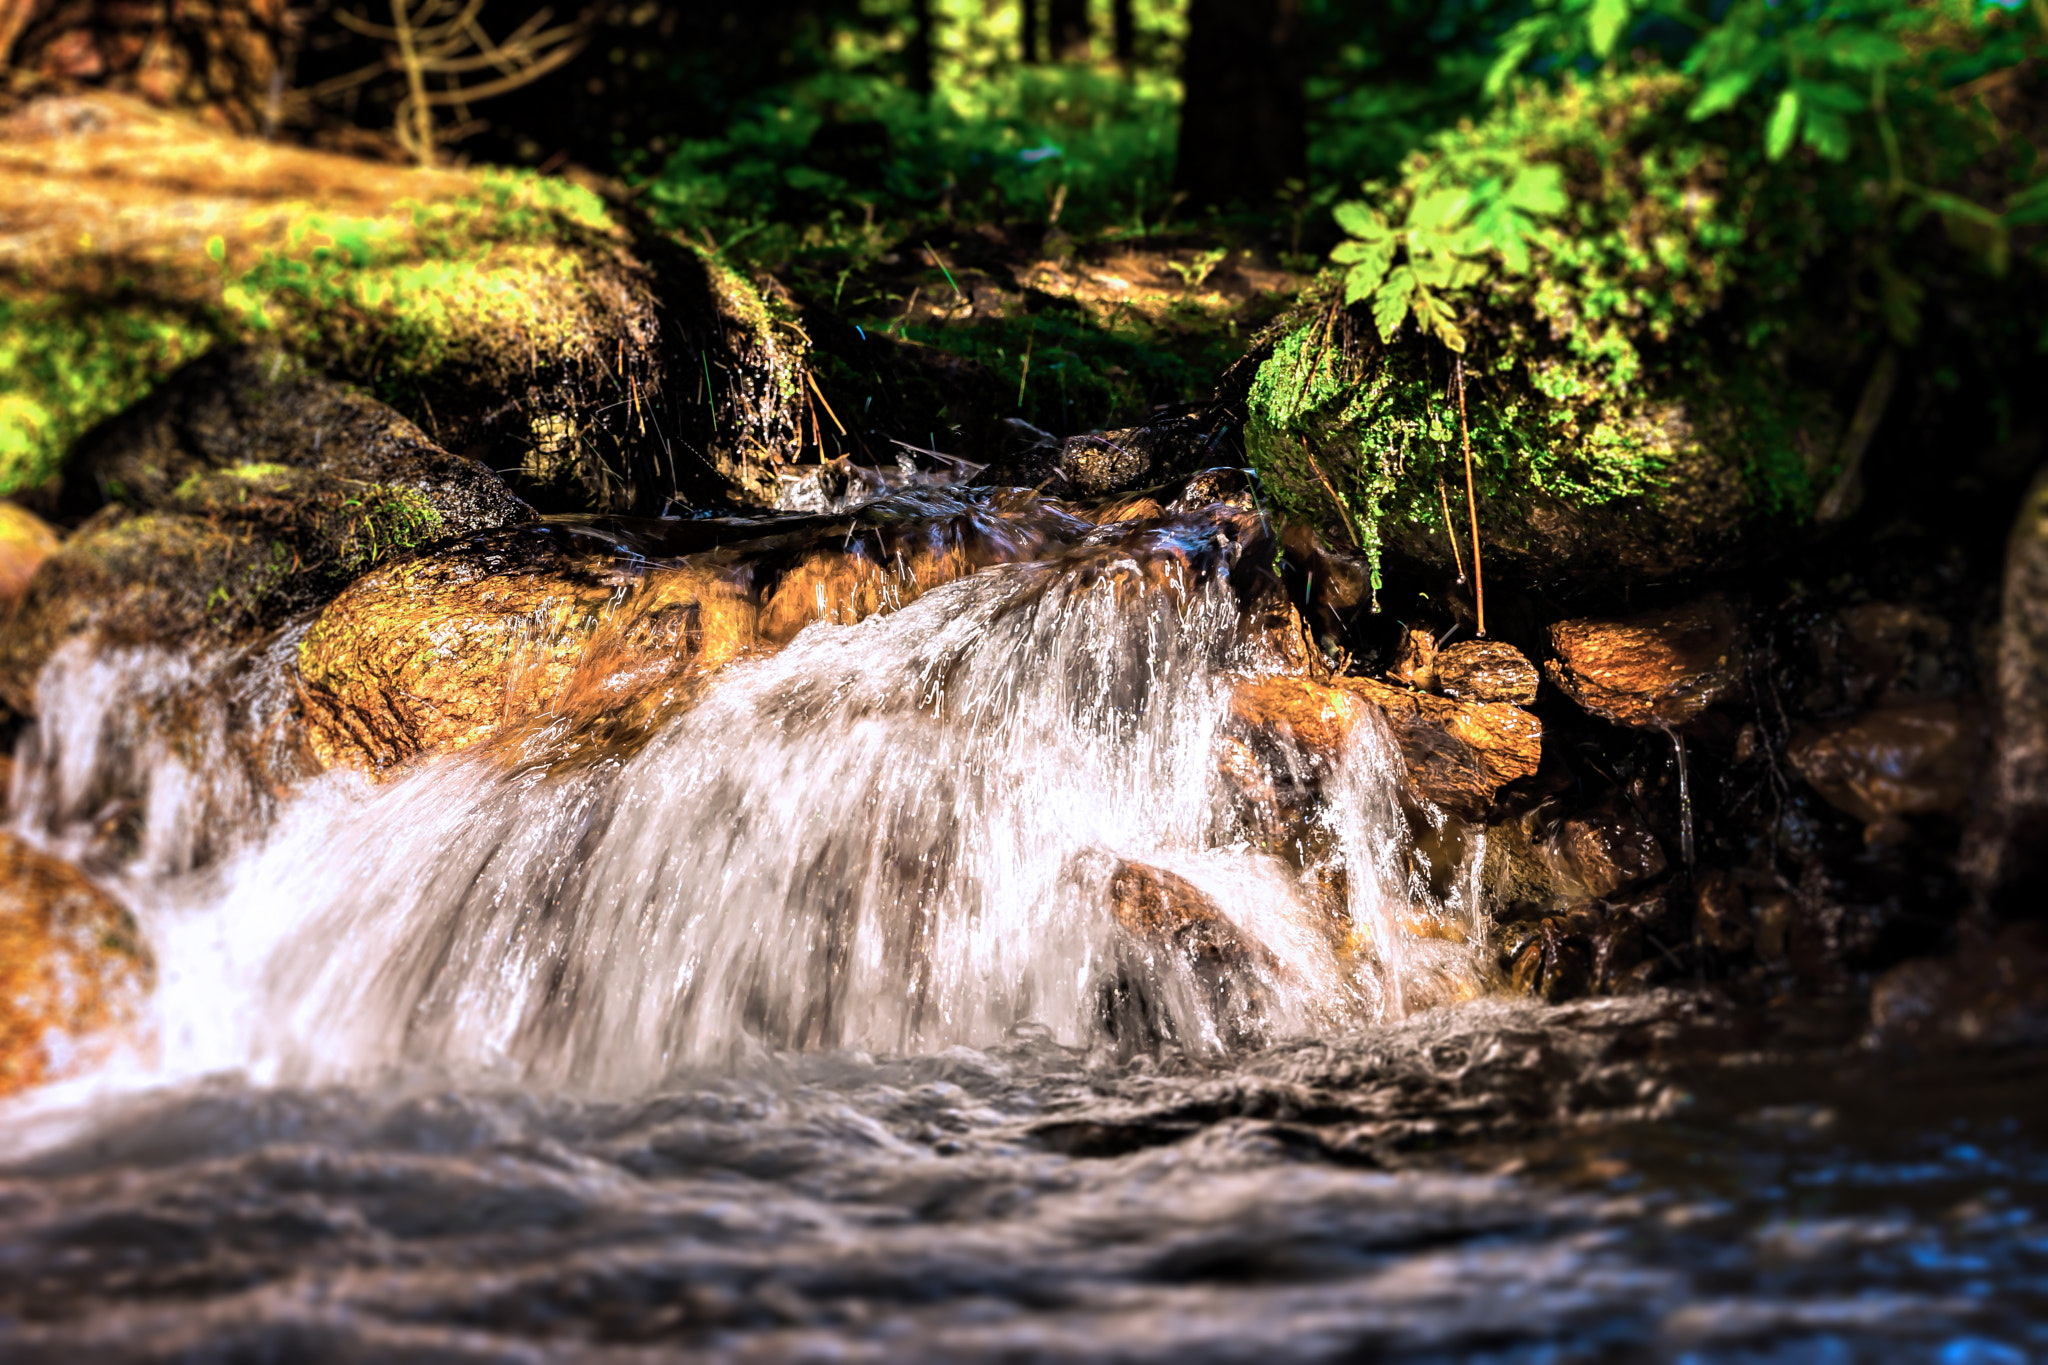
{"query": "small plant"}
(1194, 272)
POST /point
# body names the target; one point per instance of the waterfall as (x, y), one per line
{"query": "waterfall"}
(892, 836)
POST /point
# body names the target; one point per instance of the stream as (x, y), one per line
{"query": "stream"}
(797, 1029)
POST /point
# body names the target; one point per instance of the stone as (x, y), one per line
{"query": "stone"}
(2006, 848)
(1161, 909)
(1598, 851)
(536, 624)
(74, 974)
(474, 301)
(1991, 992)
(1414, 662)
(1654, 670)
(1458, 754)
(1722, 912)
(1486, 670)
(26, 540)
(1917, 759)
(245, 491)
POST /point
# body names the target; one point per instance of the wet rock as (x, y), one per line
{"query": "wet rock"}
(1171, 445)
(542, 624)
(74, 975)
(1902, 760)
(1486, 670)
(1163, 910)
(1415, 659)
(26, 540)
(2006, 852)
(1458, 754)
(246, 491)
(1722, 912)
(1991, 992)
(1596, 852)
(1653, 670)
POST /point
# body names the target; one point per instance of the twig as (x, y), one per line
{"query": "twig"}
(1029, 337)
(1343, 508)
(827, 402)
(1450, 533)
(1471, 496)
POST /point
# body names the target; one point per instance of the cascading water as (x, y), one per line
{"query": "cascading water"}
(864, 1008)
(893, 836)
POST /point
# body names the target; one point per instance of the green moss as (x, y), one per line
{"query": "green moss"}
(1595, 375)
(479, 289)
(66, 365)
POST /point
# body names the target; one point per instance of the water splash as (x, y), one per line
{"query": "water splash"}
(894, 836)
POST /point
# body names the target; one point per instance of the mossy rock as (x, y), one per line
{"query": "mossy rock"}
(243, 492)
(499, 309)
(1645, 400)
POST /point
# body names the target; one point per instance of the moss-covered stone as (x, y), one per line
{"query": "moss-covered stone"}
(244, 491)
(1627, 395)
(482, 304)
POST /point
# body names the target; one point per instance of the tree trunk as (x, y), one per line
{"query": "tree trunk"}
(1068, 22)
(1027, 34)
(1123, 21)
(919, 56)
(1243, 122)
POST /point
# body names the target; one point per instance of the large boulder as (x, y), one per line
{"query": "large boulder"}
(503, 311)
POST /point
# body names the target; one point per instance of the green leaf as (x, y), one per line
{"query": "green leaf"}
(1828, 95)
(1863, 50)
(1365, 276)
(1439, 209)
(1516, 45)
(1360, 220)
(1539, 190)
(1827, 132)
(1721, 92)
(1605, 26)
(1390, 303)
(1784, 123)
(1435, 316)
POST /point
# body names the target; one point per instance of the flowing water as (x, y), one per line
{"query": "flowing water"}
(802, 1028)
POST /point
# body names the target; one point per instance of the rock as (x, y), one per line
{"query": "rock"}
(1902, 760)
(26, 540)
(1992, 992)
(1486, 670)
(1415, 659)
(248, 489)
(1458, 754)
(443, 651)
(2006, 851)
(1654, 670)
(74, 975)
(1160, 909)
(1722, 912)
(492, 306)
(1596, 852)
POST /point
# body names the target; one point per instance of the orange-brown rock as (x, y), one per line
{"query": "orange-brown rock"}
(1458, 754)
(1415, 659)
(1918, 759)
(25, 542)
(1160, 909)
(1486, 670)
(438, 653)
(1598, 851)
(1991, 992)
(1652, 670)
(74, 975)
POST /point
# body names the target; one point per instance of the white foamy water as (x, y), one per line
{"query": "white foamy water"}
(896, 836)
